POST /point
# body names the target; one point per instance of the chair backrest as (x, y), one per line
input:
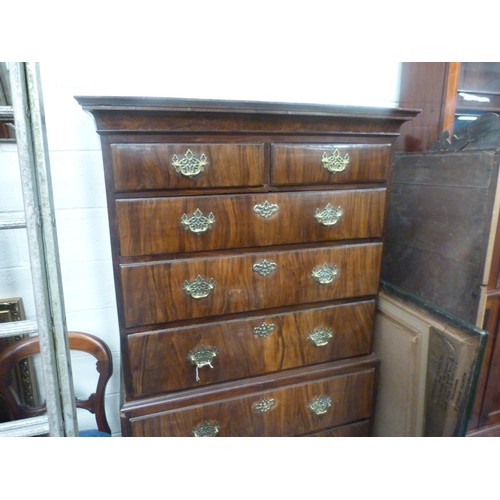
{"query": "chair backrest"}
(78, 341)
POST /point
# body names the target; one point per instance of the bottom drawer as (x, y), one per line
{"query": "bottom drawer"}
(358, 429)
(291, 404)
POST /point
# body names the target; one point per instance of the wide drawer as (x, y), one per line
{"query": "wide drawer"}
(358, 429)
(208, 353)
(290, 409)
(186, 166)
(187, 224)
(178, 289)
(329, 163)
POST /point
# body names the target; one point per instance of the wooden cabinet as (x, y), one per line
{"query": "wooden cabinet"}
(247, 244)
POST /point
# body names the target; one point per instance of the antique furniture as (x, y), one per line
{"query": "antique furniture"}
(78, 341)
(246, 242)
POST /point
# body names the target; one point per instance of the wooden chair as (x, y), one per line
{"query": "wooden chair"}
(78, 341)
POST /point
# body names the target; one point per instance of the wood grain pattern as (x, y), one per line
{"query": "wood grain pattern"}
(358, 429)
(153, 226)
(149, 166)
(301, 163)
(290, 415)
(153, 293)
(256, 152)
(159, 360)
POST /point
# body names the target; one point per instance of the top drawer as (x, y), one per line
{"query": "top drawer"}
(329, 163)
(186, 166)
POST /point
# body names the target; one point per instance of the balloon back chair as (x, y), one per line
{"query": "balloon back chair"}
(78, 341)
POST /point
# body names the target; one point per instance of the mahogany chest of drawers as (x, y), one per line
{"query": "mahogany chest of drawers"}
(246, 241)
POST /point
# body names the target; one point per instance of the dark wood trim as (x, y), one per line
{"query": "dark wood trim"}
(431, 87)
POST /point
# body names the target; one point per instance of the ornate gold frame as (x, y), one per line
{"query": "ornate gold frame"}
(12, 310)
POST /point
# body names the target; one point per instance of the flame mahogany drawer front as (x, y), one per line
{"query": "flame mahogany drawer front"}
(246, 242)
(329, 163)
(183, 289)
(197, 223)
(358, 429)
(180, 166)
(168, 360)
(294, 409)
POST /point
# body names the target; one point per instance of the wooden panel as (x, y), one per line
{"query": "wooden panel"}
(150, 166)
(438, 227)
(488, 387)
(153, 293)
(302, 163)
(430, 87)
(153, 226)
(159, 360)
(351, 400)
(359, 429)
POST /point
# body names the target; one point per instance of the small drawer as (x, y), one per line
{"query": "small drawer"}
(329, 163)
(159, 292)
(295, 409)
(186, 166)
(197, 223)
(194, 356)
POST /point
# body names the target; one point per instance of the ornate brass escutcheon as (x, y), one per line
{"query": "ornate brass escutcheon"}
(266, 209)
(320, 336)
(335, 162)
(198, 222)
(264, 329)
(320, 405)
(206, 429)
(325, 274)
(199, 288)
(264, 267)
(189, 164)
(329, 216)
(203, 356)
(264, 405)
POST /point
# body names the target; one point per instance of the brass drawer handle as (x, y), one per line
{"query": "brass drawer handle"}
(264, 405)
(320, 405)
(320, 337)
(189, 164)
(335, 162)
(197, 222)
(206, 429)
(325, 274)
(330, 215)
(264, 267)
(266, 209)
(203, 356)
(264, 329)
(199, 288)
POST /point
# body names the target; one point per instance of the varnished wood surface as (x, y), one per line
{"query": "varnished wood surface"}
(487, 407)
(431, 87)
(358, 429)
(302, 163)
(255, 152)
(150, 166)
(352, 399)
(153, 293)
(153, 226)
(125, 114)
(159, 360)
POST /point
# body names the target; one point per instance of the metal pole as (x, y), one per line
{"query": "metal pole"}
(42, 239)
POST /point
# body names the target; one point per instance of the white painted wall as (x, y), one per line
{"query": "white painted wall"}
(78, 180)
